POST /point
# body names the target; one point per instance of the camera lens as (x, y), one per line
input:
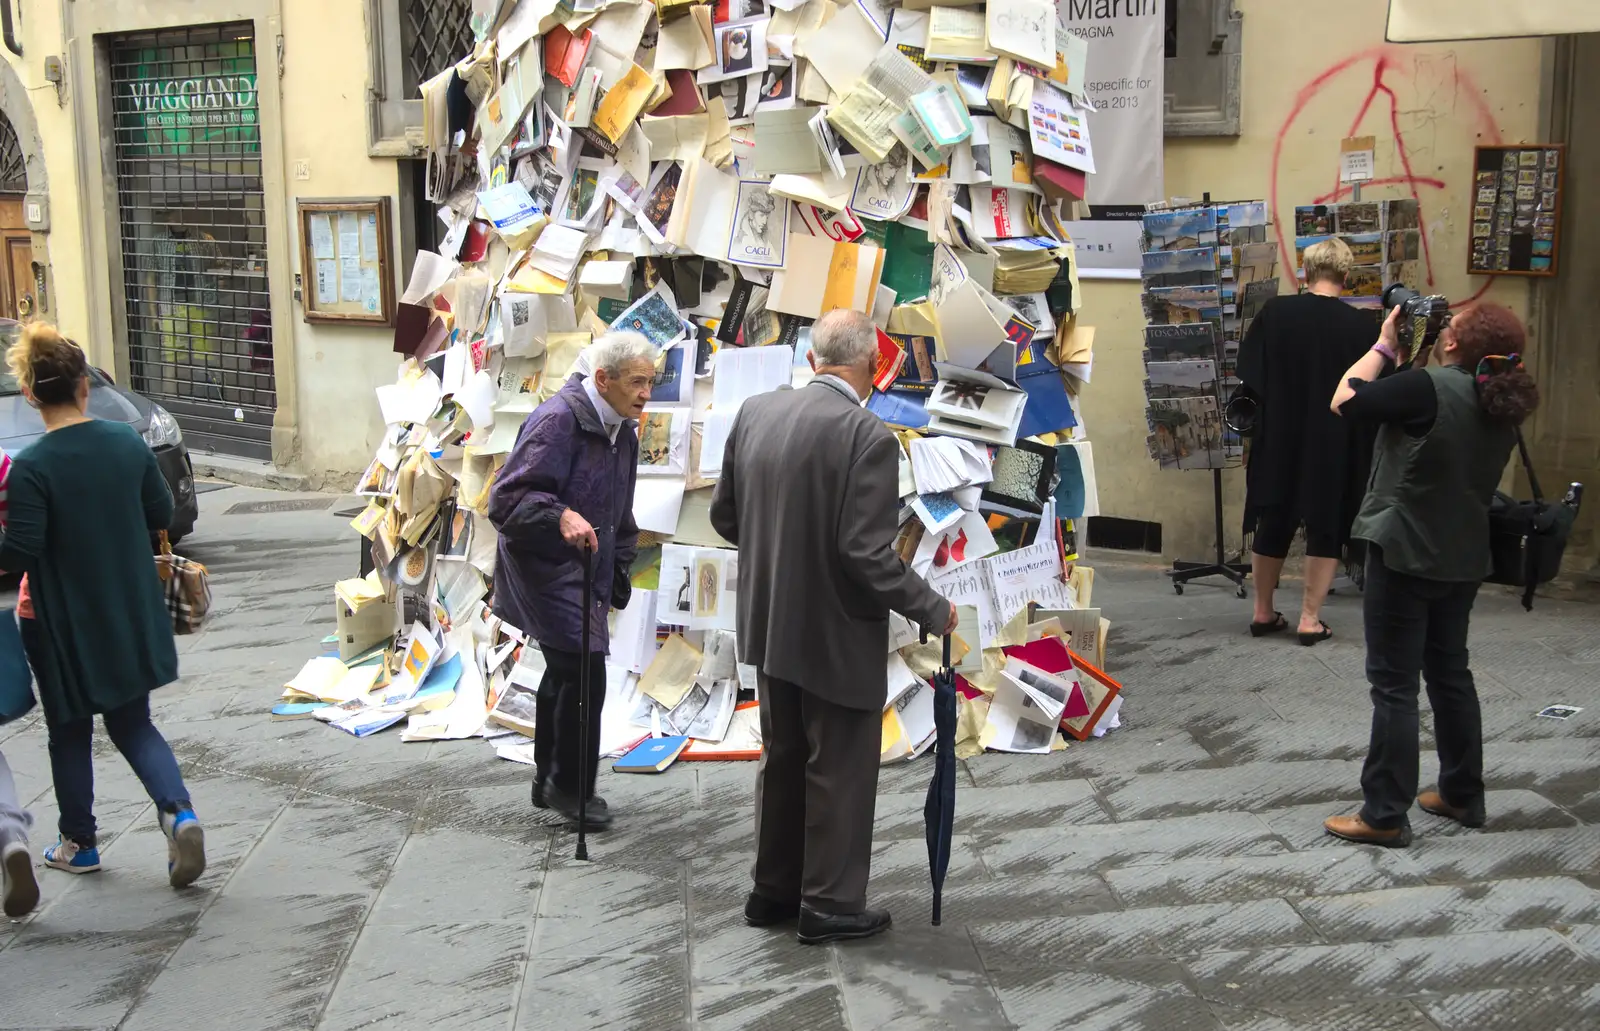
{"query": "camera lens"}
(1397, 294)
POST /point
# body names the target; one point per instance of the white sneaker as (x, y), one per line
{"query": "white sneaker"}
(21, 889)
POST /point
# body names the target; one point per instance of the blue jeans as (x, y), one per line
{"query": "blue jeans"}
(71, 763)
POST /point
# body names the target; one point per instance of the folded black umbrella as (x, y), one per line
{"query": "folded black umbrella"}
(939, 812)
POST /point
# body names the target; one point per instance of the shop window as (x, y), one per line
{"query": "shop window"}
(408, 42)
(1202, 70)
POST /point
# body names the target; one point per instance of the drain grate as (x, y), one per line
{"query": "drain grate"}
(296, 505)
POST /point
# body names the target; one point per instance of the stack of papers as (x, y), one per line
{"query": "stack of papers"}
(942, 464)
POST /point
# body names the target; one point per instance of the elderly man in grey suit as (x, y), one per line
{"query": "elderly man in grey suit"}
(809, 495)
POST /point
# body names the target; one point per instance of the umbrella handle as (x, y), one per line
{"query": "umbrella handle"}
(947, 651)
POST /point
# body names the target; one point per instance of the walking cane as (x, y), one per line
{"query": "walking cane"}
(583, 705)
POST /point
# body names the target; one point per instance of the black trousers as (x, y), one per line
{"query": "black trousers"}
(557, 750)
(816, 790)
(1418, 626)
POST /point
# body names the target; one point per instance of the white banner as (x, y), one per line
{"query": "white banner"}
(1124, 81)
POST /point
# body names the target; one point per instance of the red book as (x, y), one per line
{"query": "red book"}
(564, 53)
(890, 357)
(1058, 181)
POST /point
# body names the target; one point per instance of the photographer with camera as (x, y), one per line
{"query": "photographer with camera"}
(1446, 428)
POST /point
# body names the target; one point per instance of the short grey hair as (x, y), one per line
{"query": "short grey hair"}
(612, 351)
(844, 338)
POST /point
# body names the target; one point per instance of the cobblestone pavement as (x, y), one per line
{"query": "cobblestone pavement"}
(1170, 877)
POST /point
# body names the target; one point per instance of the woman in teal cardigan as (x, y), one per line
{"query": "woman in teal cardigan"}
(84, 500)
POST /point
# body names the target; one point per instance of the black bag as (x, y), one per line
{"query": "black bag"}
(1527, 538)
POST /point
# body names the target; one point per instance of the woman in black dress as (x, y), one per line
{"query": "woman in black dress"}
(1308, 467)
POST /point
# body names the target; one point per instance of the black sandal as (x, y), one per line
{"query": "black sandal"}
(1277, 625)
(1312, 638)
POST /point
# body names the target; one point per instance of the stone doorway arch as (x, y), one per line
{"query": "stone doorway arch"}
(22, 164)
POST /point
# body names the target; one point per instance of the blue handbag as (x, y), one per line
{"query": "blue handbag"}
(16, 678)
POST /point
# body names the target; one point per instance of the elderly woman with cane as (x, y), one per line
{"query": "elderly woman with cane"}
(564, 505)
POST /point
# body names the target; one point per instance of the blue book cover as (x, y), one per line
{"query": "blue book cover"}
(899, 409)
(1048, 407)
(652, 755)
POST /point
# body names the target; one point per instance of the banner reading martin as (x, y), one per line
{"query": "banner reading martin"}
(1124, 82)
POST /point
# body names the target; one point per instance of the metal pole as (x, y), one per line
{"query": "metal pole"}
(1216, 493)
(583, 706)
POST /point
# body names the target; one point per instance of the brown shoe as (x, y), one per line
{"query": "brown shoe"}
(1354, 828)
(1467, 816)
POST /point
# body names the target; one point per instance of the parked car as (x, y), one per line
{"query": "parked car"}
(20, 426)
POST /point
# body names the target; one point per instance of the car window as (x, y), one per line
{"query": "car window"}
(9, 387)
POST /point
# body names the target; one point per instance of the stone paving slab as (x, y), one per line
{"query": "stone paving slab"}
(1172, 876)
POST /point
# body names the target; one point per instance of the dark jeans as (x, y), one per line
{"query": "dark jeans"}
(72, 766)
(1418, 626)
(555, 739)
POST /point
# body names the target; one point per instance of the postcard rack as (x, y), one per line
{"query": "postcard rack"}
(1206, 271)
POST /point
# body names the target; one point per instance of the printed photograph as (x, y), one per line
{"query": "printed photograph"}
(654, 317)
(777, 88)
(1180, 230)
(661, 194)
(1313, 220)
(655, 442)
(1358, 217)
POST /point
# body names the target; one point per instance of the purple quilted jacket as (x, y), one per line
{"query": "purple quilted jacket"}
(563, 459)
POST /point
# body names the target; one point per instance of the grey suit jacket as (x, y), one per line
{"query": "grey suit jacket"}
(809, 495)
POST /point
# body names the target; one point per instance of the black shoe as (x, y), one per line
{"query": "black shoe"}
(597, 815)
(538, 794)
(821, 928)
(760, 911)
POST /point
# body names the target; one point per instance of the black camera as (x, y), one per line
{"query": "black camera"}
(1421, 318)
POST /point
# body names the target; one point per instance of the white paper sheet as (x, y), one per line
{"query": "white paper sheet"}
(743, 372)
(656, 503)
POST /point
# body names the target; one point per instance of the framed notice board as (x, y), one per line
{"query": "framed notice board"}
(346, 261)
(1517, 192)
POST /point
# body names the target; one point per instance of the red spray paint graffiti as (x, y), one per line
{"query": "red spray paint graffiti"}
(1383, 61)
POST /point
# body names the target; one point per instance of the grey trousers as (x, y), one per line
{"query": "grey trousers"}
(816, 791)
(14, 820)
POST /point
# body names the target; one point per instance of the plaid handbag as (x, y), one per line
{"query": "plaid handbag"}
(186, 586)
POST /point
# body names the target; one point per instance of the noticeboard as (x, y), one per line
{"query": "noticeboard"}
(345, 261)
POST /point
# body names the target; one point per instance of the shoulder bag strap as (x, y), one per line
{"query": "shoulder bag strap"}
(1529, 565)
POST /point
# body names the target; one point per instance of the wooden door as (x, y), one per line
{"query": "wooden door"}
(16, 264)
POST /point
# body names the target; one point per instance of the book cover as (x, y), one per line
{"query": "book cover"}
(652, 755)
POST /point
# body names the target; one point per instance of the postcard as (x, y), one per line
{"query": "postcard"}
(1060, 133)
(1193, 378)
(1180, 230)
(1314, 219)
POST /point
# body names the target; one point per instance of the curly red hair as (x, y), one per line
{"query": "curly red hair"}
(1508, 396)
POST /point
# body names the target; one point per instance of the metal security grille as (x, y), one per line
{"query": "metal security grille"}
(194, 243)
(435, 34)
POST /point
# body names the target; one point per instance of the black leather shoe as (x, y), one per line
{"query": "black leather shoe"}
(821, 928)
(597, 815)
(760, 911)
(538, 794)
